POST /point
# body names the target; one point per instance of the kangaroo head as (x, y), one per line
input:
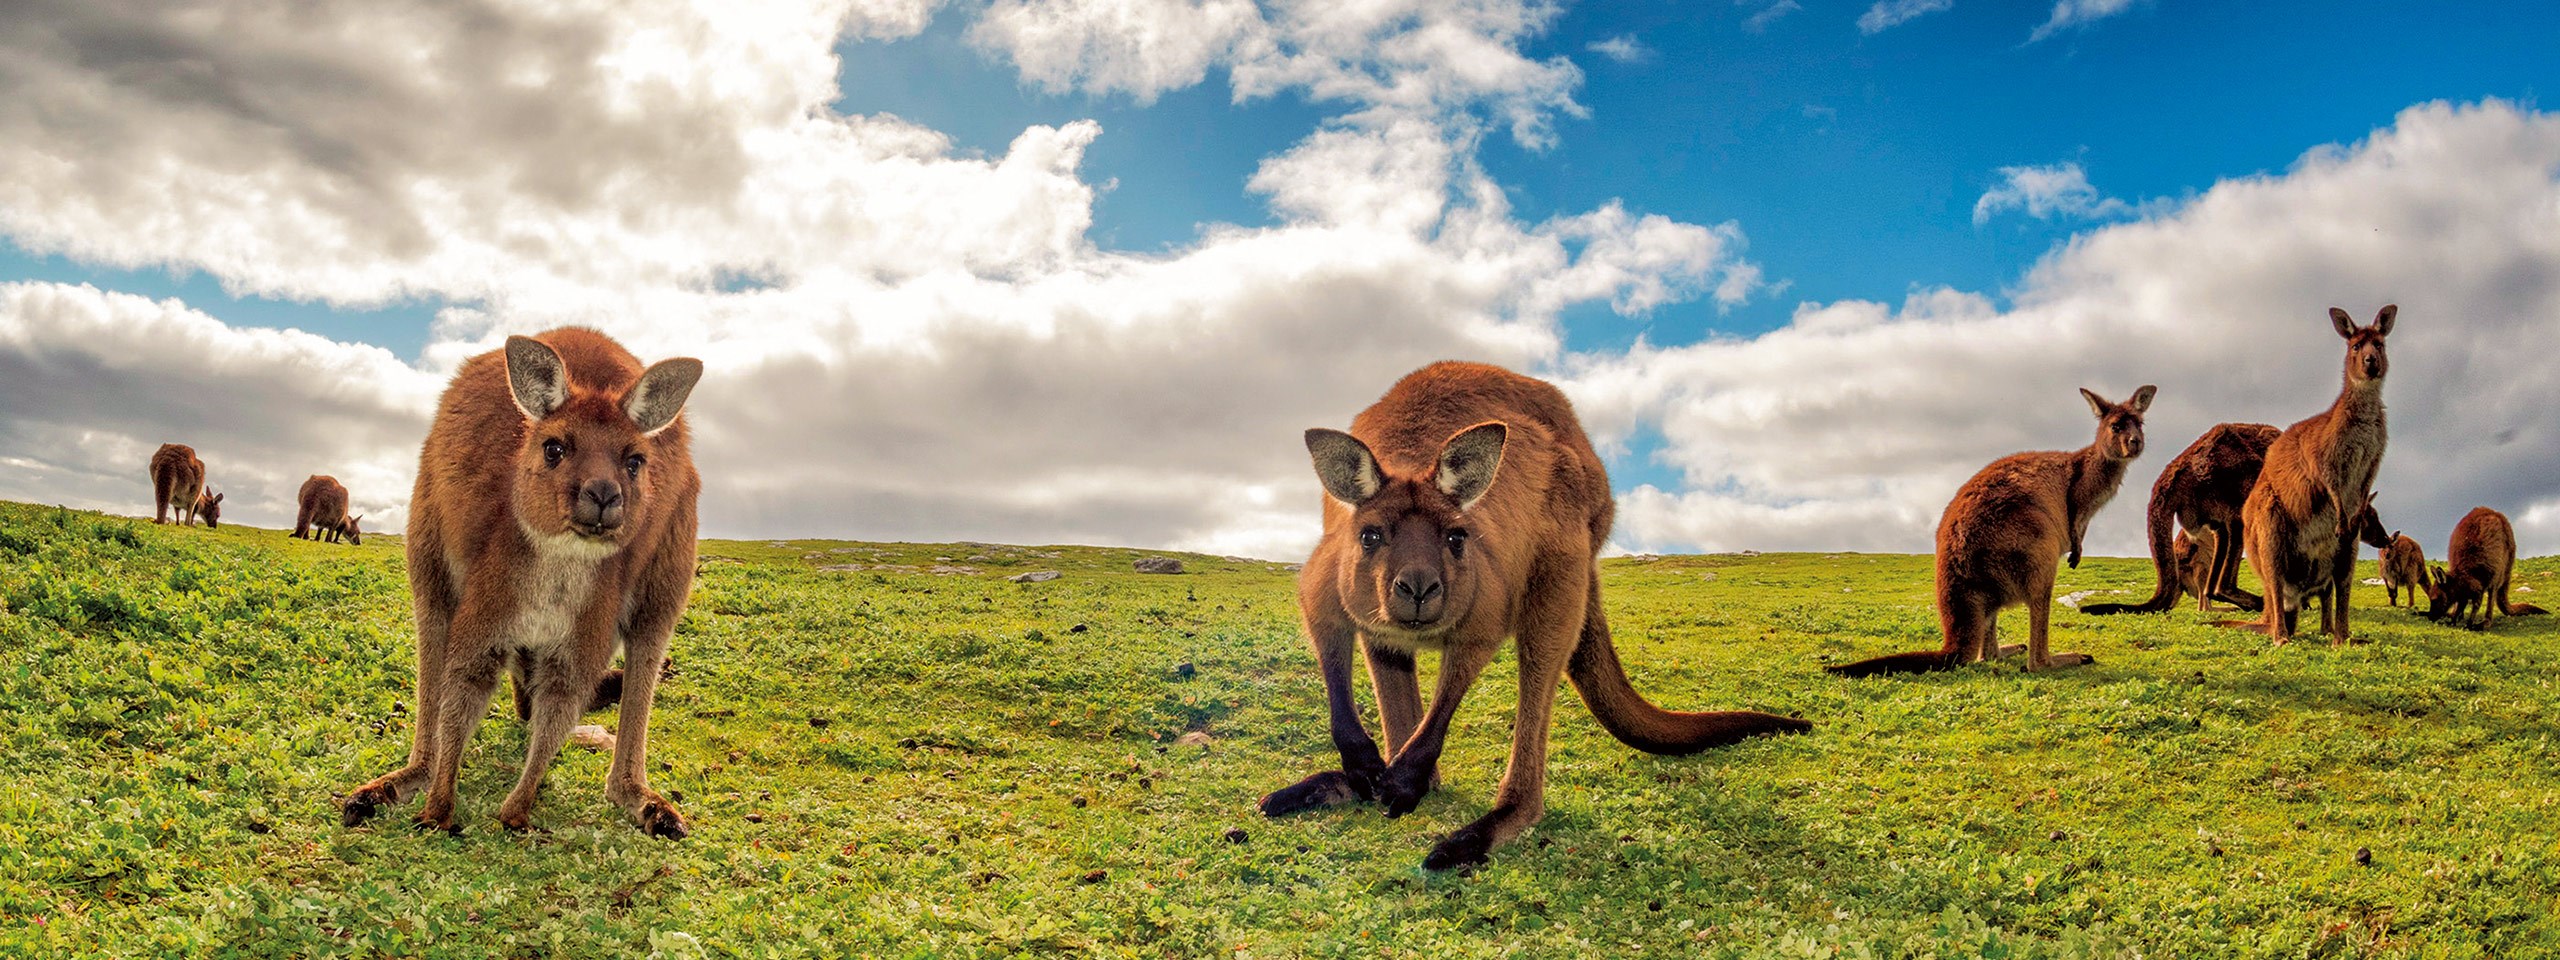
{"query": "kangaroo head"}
(583, 470)
(2366, 362)
(2369, 526)
(2120, 424)
(1411, 565)
(209, 509)
(353, 536)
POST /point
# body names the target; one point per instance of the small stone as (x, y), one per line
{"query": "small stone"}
(1036, 576)
(1185, 670)
(1157, 565)
(1234, 835)
(2364, 856)
(1196, 738)
(1096, 876)
(1078, 628)
(1078, 803)
(2214, 849)
(754, 818)
(819, 722)
(2056, 836)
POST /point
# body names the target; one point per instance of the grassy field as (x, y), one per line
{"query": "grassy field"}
(898, 762)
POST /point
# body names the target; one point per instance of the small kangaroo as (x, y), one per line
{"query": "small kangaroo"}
(323, 512)
(2478, 564)
(2202, 491)
(2000, 537)
(178, 485)
(1463, 508)
(2404, 566)
(553, 521)
(2302, 534)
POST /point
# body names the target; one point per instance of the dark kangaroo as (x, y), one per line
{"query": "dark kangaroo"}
(1464, 508)
(2002, 536)
(553, 523)
(2301, 517)
(323, 512)
(2478, 565)
(2202, 492)
(178, 485)
(2404, 566)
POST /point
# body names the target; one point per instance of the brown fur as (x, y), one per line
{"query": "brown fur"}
(323, 512)
(178, 484)
(2202, 491)
(1408, 563)
(2302, 540)
(547, 529)
(2000, 537)
(2404, 566)
(2478, 566)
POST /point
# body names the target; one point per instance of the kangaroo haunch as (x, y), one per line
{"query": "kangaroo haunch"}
(553, 522)
(2304, 517)
(1464, 508)
(2002, 535)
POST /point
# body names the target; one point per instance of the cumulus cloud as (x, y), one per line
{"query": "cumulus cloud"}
(2045, 193)
(1138, 47)
(1888, 14)
(1768, 13)
(2078, 13)
(1623, 48)
(1852, 426)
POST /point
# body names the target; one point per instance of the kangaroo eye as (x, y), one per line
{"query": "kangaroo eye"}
(552, 451)
(632, 464)
(1370, 538)
(1457, 542)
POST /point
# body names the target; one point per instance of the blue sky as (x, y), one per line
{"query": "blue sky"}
(1862, 163)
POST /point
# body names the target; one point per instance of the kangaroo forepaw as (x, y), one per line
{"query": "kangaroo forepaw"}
(363, 805)
(1403, 789)
(1327, 789)
(1468, 846)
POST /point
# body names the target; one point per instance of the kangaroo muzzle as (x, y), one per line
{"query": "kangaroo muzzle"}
(598, 507)
(1417, 598)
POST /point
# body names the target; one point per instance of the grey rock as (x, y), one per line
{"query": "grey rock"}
(1158, 565)
(1035, 576)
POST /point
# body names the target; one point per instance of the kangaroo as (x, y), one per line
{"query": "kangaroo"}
(553, 521)
(2404, 565)
(2202, 491)
(324, 512)
(2000, 537)
(2479, 562)
(178, 486)
(1464, 507)
(2302, 538)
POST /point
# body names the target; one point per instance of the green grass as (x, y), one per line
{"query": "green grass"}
(890, 763)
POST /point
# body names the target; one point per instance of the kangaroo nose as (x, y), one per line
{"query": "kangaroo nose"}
(599, 505)
(1417, 595)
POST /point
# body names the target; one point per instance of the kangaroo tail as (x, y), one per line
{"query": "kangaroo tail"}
(2523, 609)
(2163, 517)
(1635, 721)
(1917, 661)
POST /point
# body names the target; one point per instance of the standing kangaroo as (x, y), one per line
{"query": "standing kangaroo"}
(177, 485)
(2002, 535)
(553, 522)
(2202, 491)
(2301, 518)
(2404, 566)
(2478, 564)
(1464, 508)
(323, 512)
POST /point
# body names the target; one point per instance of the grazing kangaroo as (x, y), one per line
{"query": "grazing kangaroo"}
(324, 512)
(553, 522)
(2202, 491)
(2404, 565)
(2302, 536)
(2478, 564)
(177, 485)
(1463, 508)
(2001, 536)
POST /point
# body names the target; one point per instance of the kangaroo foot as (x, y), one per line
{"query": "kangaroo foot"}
(1327, 789)
(2060, 660)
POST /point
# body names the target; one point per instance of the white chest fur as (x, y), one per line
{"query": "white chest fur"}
(553, 592)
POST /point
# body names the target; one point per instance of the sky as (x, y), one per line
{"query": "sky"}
(1082, 272)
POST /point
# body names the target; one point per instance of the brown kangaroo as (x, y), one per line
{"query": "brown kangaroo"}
(2202, 491)
(177, 485)
(324, 512)
(553, 522)
(2404, 565)
(2002, 534)
(1465, 507)
(2302, 535)
(2478, 564)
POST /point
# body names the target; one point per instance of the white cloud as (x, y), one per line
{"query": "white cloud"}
(1139, 47)
(1770, 13)
(2078, 13)
(1852, 426)
(1623, 48)
(889, 19)
(2060, 190)
(1888, 14)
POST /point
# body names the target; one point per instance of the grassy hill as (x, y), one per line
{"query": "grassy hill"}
(891, 761)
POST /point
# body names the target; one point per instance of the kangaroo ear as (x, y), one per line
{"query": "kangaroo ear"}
(2346, 325)
(2097, 405)
(536, 376)
(217, 498)
(2141, 402)
(654, 402)
(1344, 465)
(2382, 321)
(1468, 462)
